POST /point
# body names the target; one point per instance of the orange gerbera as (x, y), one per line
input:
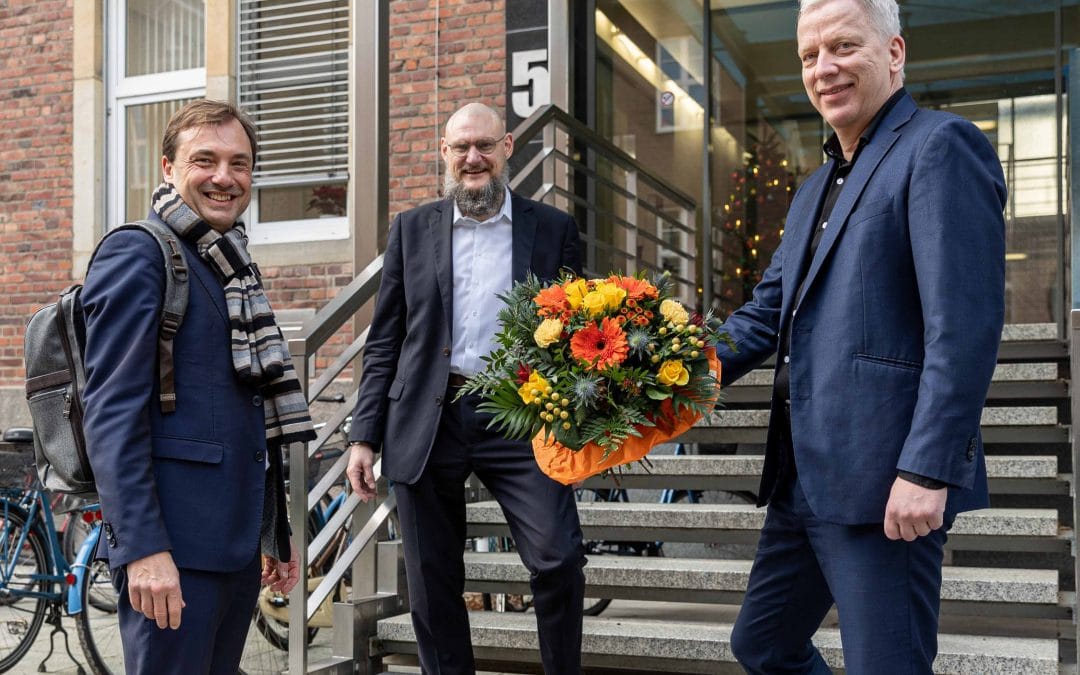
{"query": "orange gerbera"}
(552, 301)
(599, 346)
(635, 288)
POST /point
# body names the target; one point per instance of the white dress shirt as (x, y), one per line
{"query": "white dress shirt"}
(483, 254)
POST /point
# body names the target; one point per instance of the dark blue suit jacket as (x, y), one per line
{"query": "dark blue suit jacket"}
(407, 356)
(895, 339)
(192, 481)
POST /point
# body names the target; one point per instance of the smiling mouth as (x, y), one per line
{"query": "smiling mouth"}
(834, 90)
(220, 196)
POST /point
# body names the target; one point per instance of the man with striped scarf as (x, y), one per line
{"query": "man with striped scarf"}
(192, 498)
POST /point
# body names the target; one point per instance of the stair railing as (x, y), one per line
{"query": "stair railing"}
(631, 220)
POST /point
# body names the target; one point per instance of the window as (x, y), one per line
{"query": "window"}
(293, 80)
(156, 63)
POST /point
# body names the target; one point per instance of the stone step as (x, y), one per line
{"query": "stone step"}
(1003, 372)
(1012, 424)
(986, 529)
(1024, 474)
(685, 647)
(712, 580)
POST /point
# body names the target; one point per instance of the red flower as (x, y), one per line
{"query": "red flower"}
(600, 347)
(523, 373)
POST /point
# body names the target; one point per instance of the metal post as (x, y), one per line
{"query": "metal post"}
(1074, 441)
(705, 286)
(298, 466)
(632, 219)
(1074, 188)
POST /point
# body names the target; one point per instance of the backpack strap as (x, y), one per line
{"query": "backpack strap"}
(173, 305)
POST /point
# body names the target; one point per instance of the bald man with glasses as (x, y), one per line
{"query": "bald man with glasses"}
(445, 265)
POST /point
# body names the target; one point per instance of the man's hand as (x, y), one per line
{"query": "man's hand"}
(361, 472)
(280, 576)
(913, 511)
(154, 589)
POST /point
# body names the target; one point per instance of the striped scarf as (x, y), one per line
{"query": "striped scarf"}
(259, 353)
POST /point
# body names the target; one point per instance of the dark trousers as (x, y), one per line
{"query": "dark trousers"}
(887, 594)
(213, 625)
(543, 520)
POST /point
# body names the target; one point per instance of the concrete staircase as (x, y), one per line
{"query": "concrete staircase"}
(1008, 596)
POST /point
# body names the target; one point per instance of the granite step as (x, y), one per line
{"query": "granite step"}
(1010, 381)
(685, 647)
(1012, 424)
(1008, 474)
(986, 529)
(1031, 342)
(713, 580)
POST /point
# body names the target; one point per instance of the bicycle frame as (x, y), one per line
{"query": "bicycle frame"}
(71, 576)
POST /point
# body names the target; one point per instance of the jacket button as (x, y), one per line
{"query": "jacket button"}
(446, 351)
(256, 400)
(438, 400)
(259, 455)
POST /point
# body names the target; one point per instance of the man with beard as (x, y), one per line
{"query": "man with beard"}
(436, 316)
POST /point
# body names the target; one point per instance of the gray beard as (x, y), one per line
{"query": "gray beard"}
(477, 204)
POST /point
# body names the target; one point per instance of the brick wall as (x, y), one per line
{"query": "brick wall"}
(35, 165)
(427, 86)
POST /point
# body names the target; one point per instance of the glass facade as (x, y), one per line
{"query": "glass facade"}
(731, 126)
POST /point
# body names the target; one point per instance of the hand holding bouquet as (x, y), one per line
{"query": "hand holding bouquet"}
(596, 368)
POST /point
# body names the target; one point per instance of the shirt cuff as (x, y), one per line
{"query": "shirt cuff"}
(922, 481)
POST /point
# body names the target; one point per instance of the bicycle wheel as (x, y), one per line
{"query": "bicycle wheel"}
(24, 568)
(261, 656)
(99, 630)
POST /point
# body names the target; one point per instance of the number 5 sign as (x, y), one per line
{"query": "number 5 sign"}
(528, 70)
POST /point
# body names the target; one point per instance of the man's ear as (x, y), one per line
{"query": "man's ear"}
(166, 169)
(897, 54)
(509, 144)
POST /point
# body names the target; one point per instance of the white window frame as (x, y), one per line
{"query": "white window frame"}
(326, 228)
(122, 92)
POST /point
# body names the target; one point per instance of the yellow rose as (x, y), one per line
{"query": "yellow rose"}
(613, 295)
(594, 303)
(673, 372)
(548, 332)
(536, 383)
(575, 292)
(673, 311)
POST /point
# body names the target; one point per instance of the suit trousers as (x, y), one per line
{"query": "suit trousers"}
(543, 519)
(213, 625)
(887, 594)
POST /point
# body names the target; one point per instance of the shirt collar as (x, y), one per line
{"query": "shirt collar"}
(504, 214)
(832, 146)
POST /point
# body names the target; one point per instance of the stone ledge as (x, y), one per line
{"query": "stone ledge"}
(997, 466)
(1011, 416)
(676, 640)
(1004, 372)
(973, 584)
(676, 517)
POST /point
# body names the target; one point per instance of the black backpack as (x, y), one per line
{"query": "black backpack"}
(55, 376)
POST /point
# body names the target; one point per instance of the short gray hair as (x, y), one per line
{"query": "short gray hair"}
(884, 15)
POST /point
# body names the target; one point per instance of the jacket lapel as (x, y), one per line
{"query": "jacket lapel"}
(867, 164)
(440, 227)
(524, 228)
(801, 229)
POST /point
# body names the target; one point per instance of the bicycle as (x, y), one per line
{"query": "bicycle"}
(38, 584)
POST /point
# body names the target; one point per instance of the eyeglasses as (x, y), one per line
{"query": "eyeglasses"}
(485, 146)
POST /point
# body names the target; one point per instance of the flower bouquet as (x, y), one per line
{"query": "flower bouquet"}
(597, 371)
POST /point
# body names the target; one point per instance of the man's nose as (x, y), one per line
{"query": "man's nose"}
(825, 66)
(473, 156)
(223, 174)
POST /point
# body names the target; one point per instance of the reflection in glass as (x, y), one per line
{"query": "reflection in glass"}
(164, 36)
(145, 125)
(299, 202)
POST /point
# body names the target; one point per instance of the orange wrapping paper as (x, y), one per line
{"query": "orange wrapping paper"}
(568, 466)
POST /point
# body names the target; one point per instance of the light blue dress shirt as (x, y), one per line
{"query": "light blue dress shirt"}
(483, 253)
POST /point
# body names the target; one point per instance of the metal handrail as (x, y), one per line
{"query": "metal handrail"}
(535, 123)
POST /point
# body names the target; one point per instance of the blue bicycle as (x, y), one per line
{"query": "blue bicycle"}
(39, 585)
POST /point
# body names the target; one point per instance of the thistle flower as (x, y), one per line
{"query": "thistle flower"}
(586, 389)
(638, 341)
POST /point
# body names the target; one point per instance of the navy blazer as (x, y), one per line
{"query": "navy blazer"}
(407, 356)
(192, 481)
(894, 341)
